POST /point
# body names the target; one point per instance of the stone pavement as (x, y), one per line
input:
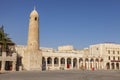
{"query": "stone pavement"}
(61, 75)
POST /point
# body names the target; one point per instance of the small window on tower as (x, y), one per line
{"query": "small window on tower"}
(35, 18)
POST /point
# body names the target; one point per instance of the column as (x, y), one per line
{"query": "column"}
(115, 66)
(83, 63)
(52, 62)
(97, 66)
(46, 63)
(89, 64)
(14, 66)
(65, 63)
(3, 66)
(119, 66)
(59, 63)
(78, 66)
(110, 65)
(71, 63)
(94, 65)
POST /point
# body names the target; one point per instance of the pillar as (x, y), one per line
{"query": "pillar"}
(97, 65)
(119, 66)
(65, 63)
(14, 66)
(71, 63)
(3, 66)
(89, 64)
(110, 65)
(46, 63)
(83, 63)
(78, 66)
(52, 62)
(115, 67)
(59, 63)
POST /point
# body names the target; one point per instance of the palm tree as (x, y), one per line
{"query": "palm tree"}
(4, 39)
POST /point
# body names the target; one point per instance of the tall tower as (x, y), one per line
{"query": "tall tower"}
(33, 33)
(32, 59)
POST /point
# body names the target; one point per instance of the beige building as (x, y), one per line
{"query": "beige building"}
(104, 56)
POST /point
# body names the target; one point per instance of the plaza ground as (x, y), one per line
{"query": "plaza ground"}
(62, 75)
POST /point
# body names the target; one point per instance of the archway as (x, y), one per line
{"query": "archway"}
(49, 61)
(101, 60)
(81, 63)
(108, 65)
(112, 66)
(96, 63)
(91, 63)
(74, 63)
(117, 66)
(8, 65)
(43, 63)
(62, 61)
(68, 62)
(56, 61)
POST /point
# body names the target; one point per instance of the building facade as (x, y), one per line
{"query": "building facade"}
(104, 56)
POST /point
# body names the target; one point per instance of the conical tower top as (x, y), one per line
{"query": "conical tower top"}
(34, 12)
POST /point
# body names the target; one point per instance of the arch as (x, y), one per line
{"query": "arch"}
(91, 63)
(117, 65)
(80, 60)
(49, 60)
(97, 60)
(43, 63)
(91, 60)
(75, 63)
(68, 62)
(112, 65)
(86, 59)
(43, 60)
(108, 65)
(8, 65)
(56, 60)
(96, 63)
(81, 63)
(62, 61)
(101, 60)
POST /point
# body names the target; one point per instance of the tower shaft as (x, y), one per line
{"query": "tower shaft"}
(32, 59)
(33, 33)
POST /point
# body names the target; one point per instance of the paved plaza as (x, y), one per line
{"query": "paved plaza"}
(61, 75)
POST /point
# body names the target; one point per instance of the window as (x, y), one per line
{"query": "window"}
(109, 58)
(113, 57)
(118, 58)
(108, 51)
(35, 18)
(113, 52)
(118, 52)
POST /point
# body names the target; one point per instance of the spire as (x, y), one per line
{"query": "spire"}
(34, 12)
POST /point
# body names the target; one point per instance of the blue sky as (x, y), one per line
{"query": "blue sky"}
(63, 22)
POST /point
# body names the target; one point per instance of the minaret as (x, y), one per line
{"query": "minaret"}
(33, 33)
(32, 59)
